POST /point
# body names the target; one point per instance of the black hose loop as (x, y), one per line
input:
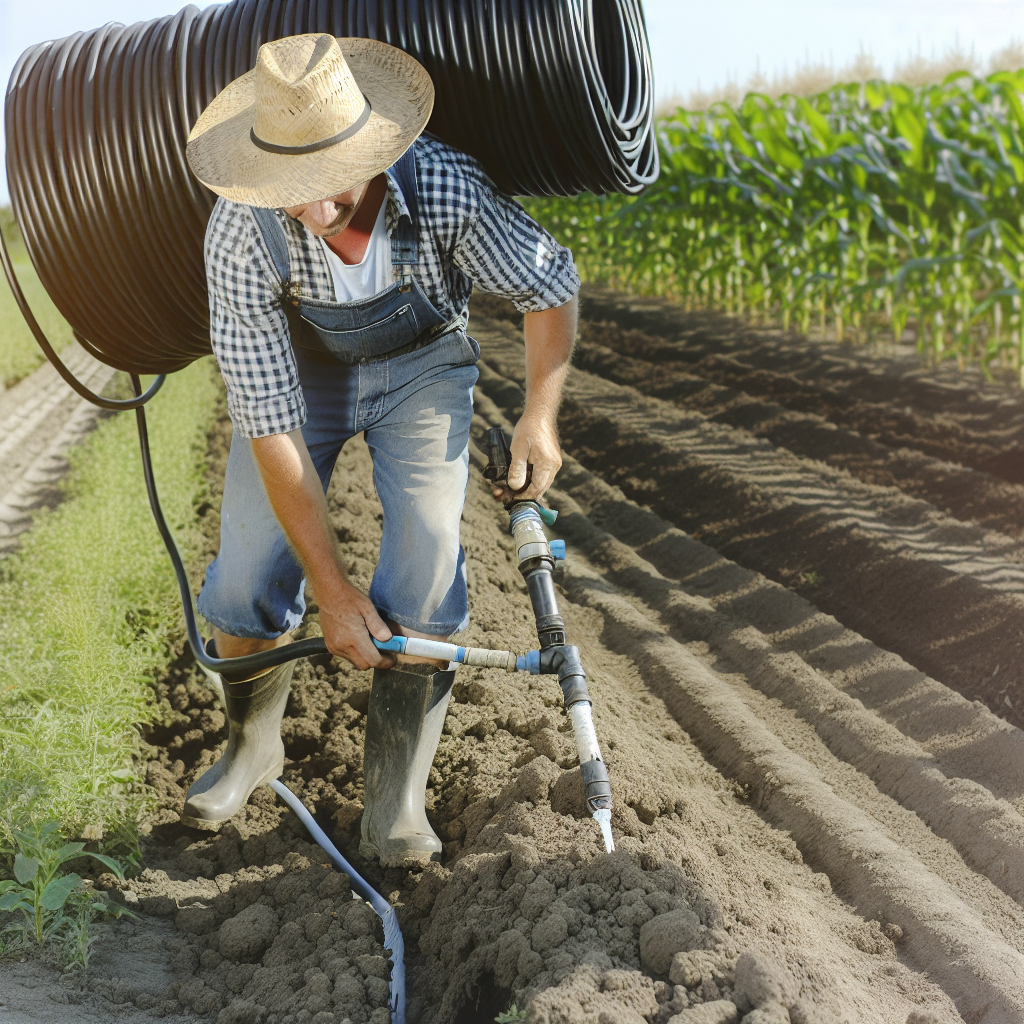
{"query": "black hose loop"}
(554, 97)
(249, 664)
(114, 404)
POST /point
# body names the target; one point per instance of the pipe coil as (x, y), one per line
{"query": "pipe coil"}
(554, 97)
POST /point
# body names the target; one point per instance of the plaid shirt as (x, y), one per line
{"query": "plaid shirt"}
(469, 234)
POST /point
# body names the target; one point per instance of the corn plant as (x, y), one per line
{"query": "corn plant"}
(40, 892)
(862, 211)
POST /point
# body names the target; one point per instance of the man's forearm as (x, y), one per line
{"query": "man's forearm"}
(297, 499)
(549, 337)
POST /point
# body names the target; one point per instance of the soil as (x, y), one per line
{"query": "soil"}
(818, 806)
(39, 421)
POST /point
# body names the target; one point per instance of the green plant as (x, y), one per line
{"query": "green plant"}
(91, 617)
(19, 353)
(9, 227)
(42, 894)
(860, 211)
(513, 1015)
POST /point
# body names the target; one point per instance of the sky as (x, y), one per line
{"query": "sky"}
(693, 42)
(704, 42)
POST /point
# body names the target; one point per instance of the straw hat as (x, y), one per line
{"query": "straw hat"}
(315, 117)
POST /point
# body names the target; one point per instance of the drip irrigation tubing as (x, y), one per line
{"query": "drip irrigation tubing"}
(554, 97)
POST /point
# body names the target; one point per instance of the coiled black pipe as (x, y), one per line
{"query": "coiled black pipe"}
(554, 97)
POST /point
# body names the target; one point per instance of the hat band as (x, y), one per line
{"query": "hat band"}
(313, 147)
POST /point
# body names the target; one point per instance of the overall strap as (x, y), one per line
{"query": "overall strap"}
(405, 246)
(272, 231)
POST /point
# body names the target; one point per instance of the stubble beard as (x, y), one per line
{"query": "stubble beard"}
(339, 223)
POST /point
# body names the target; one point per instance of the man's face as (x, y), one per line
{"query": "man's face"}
(328, 217)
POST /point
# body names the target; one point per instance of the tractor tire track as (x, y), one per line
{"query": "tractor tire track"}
(40, 420)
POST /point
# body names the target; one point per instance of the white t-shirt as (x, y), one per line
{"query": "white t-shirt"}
(372, 275)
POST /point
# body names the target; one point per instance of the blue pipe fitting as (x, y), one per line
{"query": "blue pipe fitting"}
(530, 662)
(549, 515)
(557, 550)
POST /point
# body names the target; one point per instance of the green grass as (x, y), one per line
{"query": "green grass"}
(91, 617)
(19, 353)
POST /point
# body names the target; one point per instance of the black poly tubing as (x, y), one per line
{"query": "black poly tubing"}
(554, 97)
(248, 664)
(114, 404)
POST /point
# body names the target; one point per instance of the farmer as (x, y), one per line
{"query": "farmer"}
(340, 260)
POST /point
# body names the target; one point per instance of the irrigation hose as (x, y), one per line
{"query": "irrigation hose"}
(115, 404)
(554, 97)
(393, 941)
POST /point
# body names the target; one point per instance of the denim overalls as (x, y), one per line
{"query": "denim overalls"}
(389, 366)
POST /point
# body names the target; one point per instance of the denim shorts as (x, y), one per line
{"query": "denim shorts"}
(415, 412)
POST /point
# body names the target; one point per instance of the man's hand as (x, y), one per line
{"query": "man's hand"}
(348, 618)
(534, 444)
(549, 335)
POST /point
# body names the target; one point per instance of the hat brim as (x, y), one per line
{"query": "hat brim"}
(223, 156)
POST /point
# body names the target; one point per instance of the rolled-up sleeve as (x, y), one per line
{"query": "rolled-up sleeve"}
(248, 328)
(505, 251)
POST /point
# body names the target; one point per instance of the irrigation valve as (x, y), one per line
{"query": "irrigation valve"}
(536, 557)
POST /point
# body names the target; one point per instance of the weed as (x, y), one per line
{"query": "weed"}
(811, 578)
(513, 1015)
(54, 906)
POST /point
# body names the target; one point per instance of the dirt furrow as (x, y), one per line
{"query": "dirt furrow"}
(964, 493)
(40, 419)
(950, 941)
(33, 411)
(931, 589)
(986, 830)
(963, 737)
(892, 398)
(796, 793)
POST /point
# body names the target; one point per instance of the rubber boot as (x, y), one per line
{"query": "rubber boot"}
(403, 727)
(254, 754)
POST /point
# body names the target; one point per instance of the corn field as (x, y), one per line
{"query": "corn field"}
(862, 212)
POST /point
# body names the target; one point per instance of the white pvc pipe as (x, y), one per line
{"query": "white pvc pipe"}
(584, 733)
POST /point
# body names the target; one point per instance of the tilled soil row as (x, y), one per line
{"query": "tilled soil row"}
(963, 493)
(956, 417)
(946, 595)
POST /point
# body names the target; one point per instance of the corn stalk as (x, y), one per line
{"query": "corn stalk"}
(864, 211)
